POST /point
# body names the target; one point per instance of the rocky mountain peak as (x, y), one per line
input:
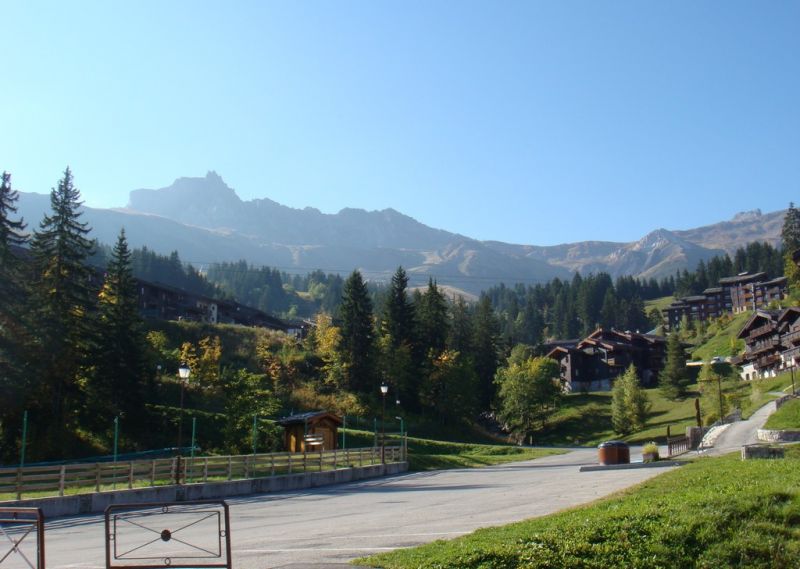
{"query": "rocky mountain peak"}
(751, 215)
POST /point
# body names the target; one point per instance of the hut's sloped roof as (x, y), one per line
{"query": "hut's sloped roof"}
(310, 417)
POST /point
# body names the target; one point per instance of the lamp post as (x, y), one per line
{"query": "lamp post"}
(384, 391)
(402, 438)
(183, 373)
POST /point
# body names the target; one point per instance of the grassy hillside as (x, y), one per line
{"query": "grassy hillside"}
(585, 419)
(712, 513)
(787, 417)
(720, 338)
(660, 303)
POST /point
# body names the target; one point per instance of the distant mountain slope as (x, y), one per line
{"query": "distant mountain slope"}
(206, 221)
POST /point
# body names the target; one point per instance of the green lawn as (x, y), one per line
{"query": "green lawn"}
(438, 455)
(787, 417)
(585, 419)
(660, 303)
(722, 341)
(427, 454)
(711, 513)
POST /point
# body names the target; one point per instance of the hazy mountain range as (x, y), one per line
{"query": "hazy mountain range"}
(205, 221)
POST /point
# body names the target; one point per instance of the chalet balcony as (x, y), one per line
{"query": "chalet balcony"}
(762, 347)
(768, 361)
(791, 338)
(791, 357)
(761, 330)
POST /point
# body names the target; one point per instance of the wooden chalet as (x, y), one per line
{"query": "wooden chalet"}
(596, 361)
(772, 343)
(745, 291)
(310, 432)
(164, 302)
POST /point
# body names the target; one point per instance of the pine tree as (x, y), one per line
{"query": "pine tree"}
(13, 319)
(119, 379)
(790, 233)
(790, 239)
(399, 317)
(433, 322)
(402, 359)
(673, 378)
(629, 405)
(460, 337)
(63, 305)
(358, 336)
(485, 354)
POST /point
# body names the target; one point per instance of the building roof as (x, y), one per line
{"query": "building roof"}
(309, 417)
(759, 315)
(742, 278)
(713, 290)
(695, 298)
(776, 281)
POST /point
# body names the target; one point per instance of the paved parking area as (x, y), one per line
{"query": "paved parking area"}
(332, 525)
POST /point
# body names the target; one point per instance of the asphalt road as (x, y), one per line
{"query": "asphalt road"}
(339, 523)
(741, 433)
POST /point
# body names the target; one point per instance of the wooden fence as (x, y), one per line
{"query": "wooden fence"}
(96, 477)
(677, 445)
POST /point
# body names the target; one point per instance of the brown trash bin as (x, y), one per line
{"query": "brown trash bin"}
(614, 452)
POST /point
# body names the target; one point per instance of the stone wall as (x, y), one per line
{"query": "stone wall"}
(761, 451)
(787, 436)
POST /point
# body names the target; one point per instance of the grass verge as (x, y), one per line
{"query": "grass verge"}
(711, 513)
(787, 417)
(428, 454)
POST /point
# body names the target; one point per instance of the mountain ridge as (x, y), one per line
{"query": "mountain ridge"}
(206, 221)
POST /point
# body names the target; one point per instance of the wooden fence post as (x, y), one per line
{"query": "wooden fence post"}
(62, 479)
(130, 476)
(230, 467)
(19, 484)
(205, 470)
(97, 477)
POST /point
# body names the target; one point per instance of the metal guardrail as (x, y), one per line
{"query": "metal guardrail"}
(85, 478)
(16, 525)
(178, 535)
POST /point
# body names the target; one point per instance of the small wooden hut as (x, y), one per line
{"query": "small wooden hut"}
(310, 432)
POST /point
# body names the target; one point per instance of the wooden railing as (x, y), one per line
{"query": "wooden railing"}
(677, 445)
(765, 329)
(66, 479)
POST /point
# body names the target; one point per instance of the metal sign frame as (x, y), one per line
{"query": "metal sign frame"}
(119, 514)
(32, 517)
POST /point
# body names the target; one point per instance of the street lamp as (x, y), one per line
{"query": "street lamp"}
(183, 373)
(402, 438)
(384, 391)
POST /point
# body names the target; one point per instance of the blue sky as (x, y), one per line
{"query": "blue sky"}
(528, 122)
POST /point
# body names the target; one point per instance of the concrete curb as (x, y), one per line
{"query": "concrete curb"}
(97, 502)
(779, 436)
(633, 466)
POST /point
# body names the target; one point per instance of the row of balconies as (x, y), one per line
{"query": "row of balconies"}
(768, 345)
(767, 361)
(791, 338)
(761, 330)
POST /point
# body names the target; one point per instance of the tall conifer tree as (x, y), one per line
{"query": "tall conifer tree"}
(358, 336)
(118, 380)
(63, 303)
(485, 350)
(13, 331)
